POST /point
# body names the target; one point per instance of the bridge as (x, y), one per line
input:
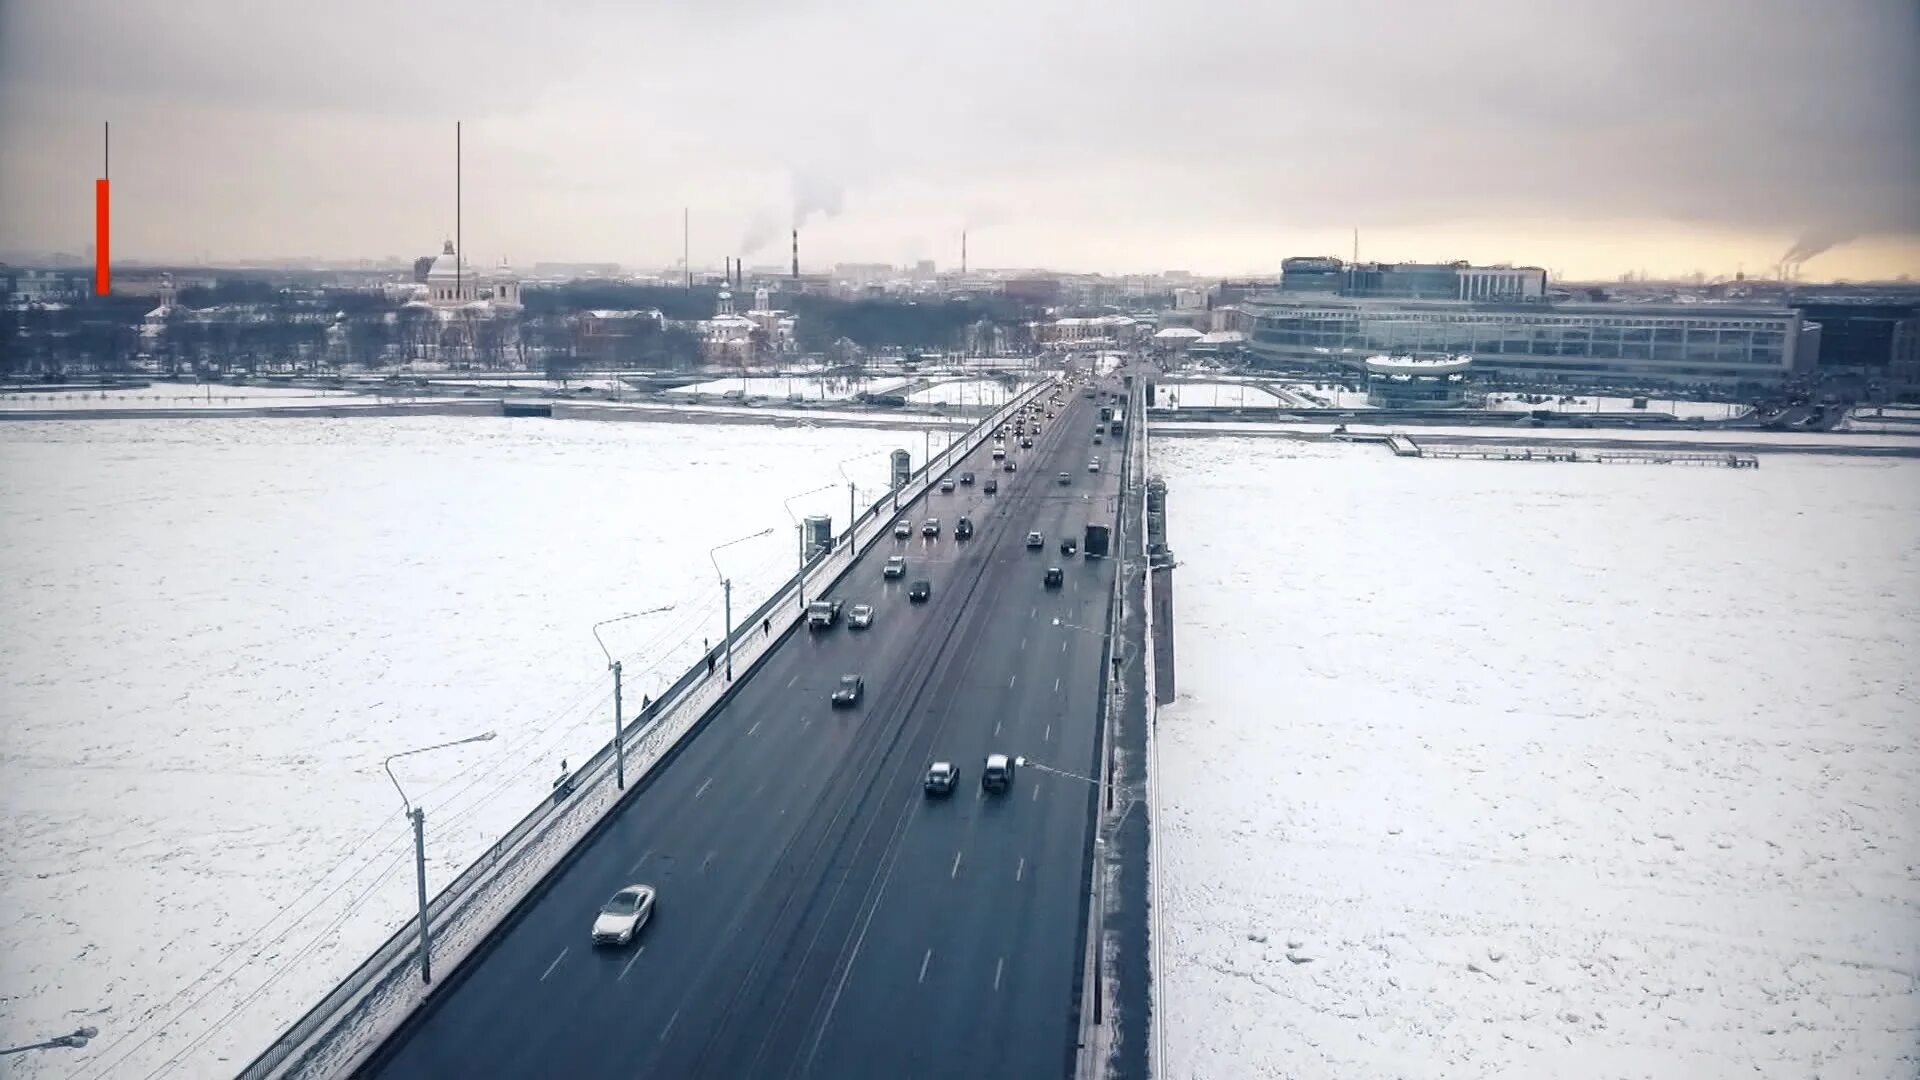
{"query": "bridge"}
(817, 915)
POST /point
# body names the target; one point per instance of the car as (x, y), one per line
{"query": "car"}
(896, 566)
(998, 774)
(1067, 546)
(1011, 465)
(1097, 440)
(1065, 479)
(942, 778)
(902, 528)
(1055, 577)
(1094, 465)
(931, 528)
(1026, 443)
(860, 617)
(621, 917)
(946, 486)
(919, 591)
(992, 485)
(963, 528)
(1035, 540)
(966, 478)
(849, 692)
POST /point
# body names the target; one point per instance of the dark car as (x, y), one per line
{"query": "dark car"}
(966, 478)
(992, 485)
(1068, 547)
(963, 528)
(919, 591)
(1026, 443)
(1065, 479)
(1010, 466)
(848, 695)
(1055, 577)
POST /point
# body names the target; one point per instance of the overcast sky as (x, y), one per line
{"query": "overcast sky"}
(1588, 136)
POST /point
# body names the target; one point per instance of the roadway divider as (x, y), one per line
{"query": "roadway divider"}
(348, 1025)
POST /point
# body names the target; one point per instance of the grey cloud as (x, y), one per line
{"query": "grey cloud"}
(1151, 123)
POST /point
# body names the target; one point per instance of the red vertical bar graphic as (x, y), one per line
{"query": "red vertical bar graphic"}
(101, 282)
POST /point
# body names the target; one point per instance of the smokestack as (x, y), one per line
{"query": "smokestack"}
(963, 252)
(739, 275)
(796, 254)
(726, 271)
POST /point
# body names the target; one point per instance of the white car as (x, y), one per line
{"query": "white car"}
(622, 917)
(1094, 465)
(902, 529)
(860, 617)
(1035, 540)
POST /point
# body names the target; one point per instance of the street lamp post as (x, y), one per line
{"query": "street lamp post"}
(726, 587)
(619, 730)
(418, 817)
(74, 1039)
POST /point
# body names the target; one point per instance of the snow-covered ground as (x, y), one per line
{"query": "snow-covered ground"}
(966, 392)
(1678, 408)
(216, 630)
(808, 388)
(1215, 395)
(1488, 771)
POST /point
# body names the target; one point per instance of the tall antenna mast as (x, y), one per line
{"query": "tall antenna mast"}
(459, 285)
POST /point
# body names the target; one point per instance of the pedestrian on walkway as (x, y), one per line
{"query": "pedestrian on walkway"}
(766, 625)
(709, 663)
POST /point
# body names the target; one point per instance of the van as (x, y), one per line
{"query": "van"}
(998, 774)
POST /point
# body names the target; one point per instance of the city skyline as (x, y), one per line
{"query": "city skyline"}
(1146, 141)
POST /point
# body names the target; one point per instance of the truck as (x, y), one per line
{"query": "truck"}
(1106, 412)
(823, 614)
(1096, 542)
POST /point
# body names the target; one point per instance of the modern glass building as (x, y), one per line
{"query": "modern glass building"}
(1569, 342)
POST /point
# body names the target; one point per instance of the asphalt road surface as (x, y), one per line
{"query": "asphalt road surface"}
(817, 915)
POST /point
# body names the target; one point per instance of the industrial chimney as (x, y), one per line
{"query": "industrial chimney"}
(963, 252)
(796, 254)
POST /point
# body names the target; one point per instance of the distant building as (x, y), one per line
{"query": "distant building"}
(1859, 337)
(1324, 274)
(1641, 344)
(452, 283)
(1312, 274)
(615, 338)
(1113, 331)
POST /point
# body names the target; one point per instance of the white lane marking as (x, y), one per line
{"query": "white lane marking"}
(1036, 793)
(1023, 644)
(703, 788)
(1048, 737)
(669, 1027)
(996, 729)
(1032, 611)
(555, 964)
(1056, 689)
(790, 683)
(1063, 646)
(924, 961)
(805, 720)
(1011, 678)
(1020, 871)
(628, 966)
(640, 860)
(955, 872)
(997, 965)
(756, 723)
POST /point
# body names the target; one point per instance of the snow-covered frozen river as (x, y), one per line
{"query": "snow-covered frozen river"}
(1488, 771)
(216, 629)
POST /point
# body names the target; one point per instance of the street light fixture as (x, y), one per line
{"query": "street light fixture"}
(726, 586)
(418, 817)
(619, 731)
(74, 1040)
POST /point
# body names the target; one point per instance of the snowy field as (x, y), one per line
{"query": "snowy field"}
(174, 395)
(1675, 407)
(216, 630)
(1216, 395)
(808, 388)
(1490, 771)
(966, 392)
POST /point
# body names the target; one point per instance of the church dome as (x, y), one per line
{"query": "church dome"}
(446, 266)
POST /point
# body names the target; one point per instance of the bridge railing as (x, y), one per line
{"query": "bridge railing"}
(347, 1025)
